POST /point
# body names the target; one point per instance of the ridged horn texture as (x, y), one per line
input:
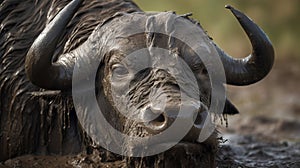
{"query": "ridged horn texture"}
(258, 64)
(40, 68)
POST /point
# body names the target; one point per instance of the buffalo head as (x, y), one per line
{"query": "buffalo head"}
(146, 72)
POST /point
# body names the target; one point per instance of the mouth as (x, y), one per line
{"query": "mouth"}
(183, 154)
(171, 130)
(191, 146)
(187, 146)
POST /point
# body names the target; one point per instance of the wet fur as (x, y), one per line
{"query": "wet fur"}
(32, 120)
(38, 121)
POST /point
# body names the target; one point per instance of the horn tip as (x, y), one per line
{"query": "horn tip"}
(232, 9)
(238, 14)
(228, 7)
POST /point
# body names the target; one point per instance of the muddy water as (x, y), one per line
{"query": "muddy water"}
(248, 151)
(237, 152)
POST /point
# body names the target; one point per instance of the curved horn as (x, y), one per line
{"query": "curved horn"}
(258, 64)
(40, 68)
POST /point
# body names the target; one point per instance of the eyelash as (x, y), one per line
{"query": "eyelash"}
(200, 69)
(123, 70)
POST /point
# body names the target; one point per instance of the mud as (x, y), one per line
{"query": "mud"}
(265, 134)
(190, 156)
(239, 151)
(248, 151)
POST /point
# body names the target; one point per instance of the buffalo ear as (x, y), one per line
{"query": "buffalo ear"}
(230, 108)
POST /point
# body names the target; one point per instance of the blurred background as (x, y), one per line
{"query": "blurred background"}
(269, 109)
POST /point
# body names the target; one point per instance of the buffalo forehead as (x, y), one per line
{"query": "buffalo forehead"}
(166, 23)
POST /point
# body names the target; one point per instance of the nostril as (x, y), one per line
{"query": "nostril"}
(158, 121)
(157, 125)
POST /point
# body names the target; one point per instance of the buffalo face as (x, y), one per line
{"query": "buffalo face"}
(144, 75)
(150, 86)
(152, 79)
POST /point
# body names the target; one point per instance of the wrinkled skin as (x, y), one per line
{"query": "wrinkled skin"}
(139, 81)
(140, 89)
(50, 66)
(122, 77)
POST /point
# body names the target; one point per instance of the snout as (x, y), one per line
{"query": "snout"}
(158, 120)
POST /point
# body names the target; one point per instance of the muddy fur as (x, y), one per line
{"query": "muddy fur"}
(34, 120)
(42, 122)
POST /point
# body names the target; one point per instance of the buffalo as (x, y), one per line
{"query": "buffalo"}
(135, 64)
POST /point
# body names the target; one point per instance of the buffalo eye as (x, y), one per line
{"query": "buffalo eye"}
(200, 68)
(119, 70)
